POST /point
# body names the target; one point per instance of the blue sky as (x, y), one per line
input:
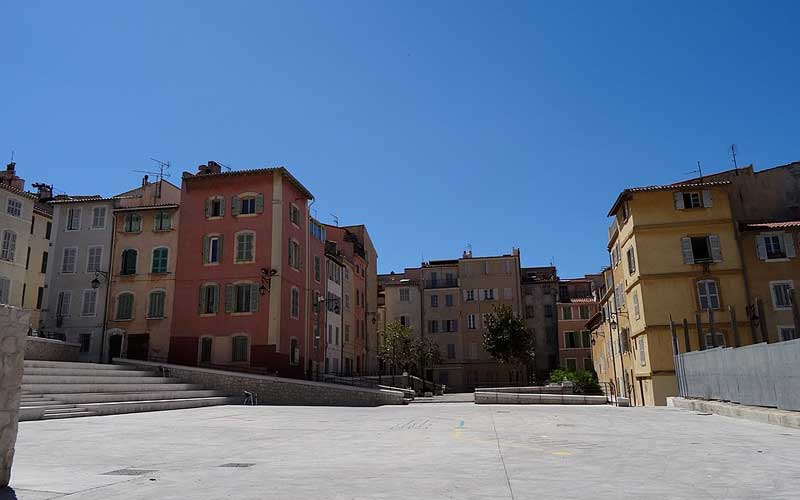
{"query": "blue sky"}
(437, 124)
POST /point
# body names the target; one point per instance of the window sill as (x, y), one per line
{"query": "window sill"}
(246, 215)
(123, 319)
(97, 228)
(149, 318)
(777, 259)
(205, 315)
(781, 308)
(132, 232)
(244, 262)
(215, 217)
(211, 263)
(159, 273)
(163, 230)
(243, 313)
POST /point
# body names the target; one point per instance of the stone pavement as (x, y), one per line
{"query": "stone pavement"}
(419, 451)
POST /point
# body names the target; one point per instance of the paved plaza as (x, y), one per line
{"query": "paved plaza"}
(421, 451)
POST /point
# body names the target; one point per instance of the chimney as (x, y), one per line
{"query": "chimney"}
(43, 191)
(10, 178)
(144, 180)
(214, 167)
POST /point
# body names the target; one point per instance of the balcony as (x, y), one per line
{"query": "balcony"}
(441, 283)
(613, 229)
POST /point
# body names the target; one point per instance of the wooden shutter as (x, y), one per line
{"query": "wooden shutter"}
(235, 206)
(679, 201)
(215, 293)
(219, 248)
(254, 297)
(716, 248)
(707, 199)
(788, 242)
(230, 296)
(208, 208)
(686, 247)
(761, 249)
(205, 249)
(259, 203)
(496, 294)
(201, 303)
(221, 206)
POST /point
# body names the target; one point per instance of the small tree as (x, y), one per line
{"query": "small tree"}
(506, 337)
(397, 348)
(427, 352)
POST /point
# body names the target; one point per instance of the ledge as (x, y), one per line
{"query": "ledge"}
(784, 418)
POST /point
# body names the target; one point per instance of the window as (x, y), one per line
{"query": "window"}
(241, 297)
(708, 294)
(294, 254)
(450, 325)
(572, 364)
(86, 342)
(692, 200)
(74, 219)
(9, 246)
(587, 364)
(451, 351)
(488, 293)
(720, 338)
(347, 301)
(346, 333)
(566, 312)
(780, 294)
(245, 243)
(132, 223)
(471, 321)
(775, 246)
(330, 334)
(294, 214)
(160, 259)
(206, 346)
(212, 249)
(626, 211)
(99, 218)
(14, 208)
(125, 306)
(39, 295)
(162, 221)
(786, 333)
(469, 295)
(586, 339)
(48, 230)
(404, 321)
(209, 299)
(316, 230)
(631, 261)
(507, 294)
(473, 350)
(294, 352)
(434, 301)
(89, 305)
(433, 326)
(5, 290)
(68, 260)
(584, 312)
(155, 308)
(571, 340)
(636, 313)
(317, 268)
(129, 257)
(699, 249)
(239, 349)
(247, 204)
(404, 295)
(448, 300)
(642, 353)
(548, 311)
(63, 304)
(215, 207)
(295, 304)
(94, 257)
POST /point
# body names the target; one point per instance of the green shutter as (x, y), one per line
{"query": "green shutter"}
(219, 248)
(215, 293)
(208, 208)
(235, 206)
(254, 297)
(205, 249)
(201, 303)
(221, 206)
(230, 296)
(259, 203)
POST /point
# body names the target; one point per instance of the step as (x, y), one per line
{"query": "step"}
(43, 403)
(49, 407)
(76, 412)
(92, 379)
(114, 408)
(103, 397)
(90, 387)
(71, 364)
(81, 372)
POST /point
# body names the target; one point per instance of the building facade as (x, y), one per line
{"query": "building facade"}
(576, 305)
(539, 296)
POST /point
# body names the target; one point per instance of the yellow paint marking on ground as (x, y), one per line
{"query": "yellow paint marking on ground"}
(562, 453)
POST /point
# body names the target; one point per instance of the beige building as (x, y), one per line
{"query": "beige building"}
(400, 299)
(25, 227)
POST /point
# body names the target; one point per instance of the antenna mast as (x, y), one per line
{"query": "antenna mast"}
(163, 171)
(733, 158)
(335, 219)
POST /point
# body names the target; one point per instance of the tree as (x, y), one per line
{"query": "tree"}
(427, 352)
(506, 337)
(397, 347)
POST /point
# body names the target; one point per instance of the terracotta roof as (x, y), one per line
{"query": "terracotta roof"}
(772, 225)
(12, 189)
(254, 171)
(95, 198)
(580, 300)
(666, 187)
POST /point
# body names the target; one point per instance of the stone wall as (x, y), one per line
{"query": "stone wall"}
(13, 330)
(38, 348)
(276, 390)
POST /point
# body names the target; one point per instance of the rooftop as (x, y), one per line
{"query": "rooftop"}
(771, 225)
(666, 187)
(256, 171)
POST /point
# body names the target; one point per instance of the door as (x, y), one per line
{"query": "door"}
(114, 347)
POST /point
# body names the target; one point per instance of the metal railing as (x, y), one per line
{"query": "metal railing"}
(441, 283)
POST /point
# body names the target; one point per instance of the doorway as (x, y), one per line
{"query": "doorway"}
(114, 347)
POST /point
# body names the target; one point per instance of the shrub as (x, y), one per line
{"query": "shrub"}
(583, 382)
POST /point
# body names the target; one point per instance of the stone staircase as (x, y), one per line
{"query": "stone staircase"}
(56, 389)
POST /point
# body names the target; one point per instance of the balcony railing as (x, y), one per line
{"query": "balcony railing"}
(441, 283)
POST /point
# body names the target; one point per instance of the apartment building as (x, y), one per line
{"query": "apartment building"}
(141, 275)
(539, 297)
(334, 314)
(241, 289)
(369, 297)
(314, 346)
(576, 305)
(674, 254)
(25, 227)
(401, 297)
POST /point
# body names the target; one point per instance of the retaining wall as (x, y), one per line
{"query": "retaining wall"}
(504, 398)
(276, 390)
(37, 348)
(13, 330)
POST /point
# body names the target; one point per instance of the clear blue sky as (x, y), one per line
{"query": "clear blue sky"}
(437, 124)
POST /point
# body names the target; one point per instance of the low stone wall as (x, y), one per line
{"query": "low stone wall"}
(42, 349)
(785, 418)
(13, 330)
(507, 398)
(534, 389)
(276, 390)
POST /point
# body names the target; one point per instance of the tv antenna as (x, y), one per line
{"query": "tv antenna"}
(163, 171)
(223, 165)
(698, 170)
(12, 156)
(335, 219)
(734, 151)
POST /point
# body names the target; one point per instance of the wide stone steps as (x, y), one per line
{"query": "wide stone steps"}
(53, 389)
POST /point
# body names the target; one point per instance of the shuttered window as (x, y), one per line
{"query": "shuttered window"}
(5, 290)
(125, 306)
(708, 294)
(239, 349)
(156, 305)
(209, 299)
(206, 346)
(160, 259)
(245, 246)
(69, 260)
(241, 297)
(64, 303)
(128, 262)
(9, 246)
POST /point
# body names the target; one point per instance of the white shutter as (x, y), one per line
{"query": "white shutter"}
(678, 201)
(477, 294)
(465, 295)
(496, 294)
(707, 199)
(686, 247)
(761, 249)
(788, 242)
(716, 249)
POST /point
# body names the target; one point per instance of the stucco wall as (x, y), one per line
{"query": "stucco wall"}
(51, 350)
(13, 329)
(279, 391)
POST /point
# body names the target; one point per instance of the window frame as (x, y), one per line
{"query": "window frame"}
(118, 309)
(699, 295)
(294, 303)
(123, 268)
(63, 260)
(240, 337)
(236, 245)
(790, 285)
(164, 258)
(128, 223)
(95, 208)
(200, 349)
(93, 312)
(150, 294)
(204, 302)
(71, 216)
(9, 254)
(99, 267)
(158, 221)
(18, 206)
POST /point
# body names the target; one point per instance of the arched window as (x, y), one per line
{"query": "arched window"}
(9, 246)
(128, 262)
(125, 306)
(160, 259)
(156, 304)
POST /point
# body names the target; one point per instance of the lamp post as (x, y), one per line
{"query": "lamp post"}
(95, 285)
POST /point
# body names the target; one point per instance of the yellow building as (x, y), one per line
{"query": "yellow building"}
(674, 254)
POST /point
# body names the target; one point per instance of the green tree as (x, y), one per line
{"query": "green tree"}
(398, 346)
(506, 337)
